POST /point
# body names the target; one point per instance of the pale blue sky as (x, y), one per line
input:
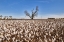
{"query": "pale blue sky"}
(47, 8)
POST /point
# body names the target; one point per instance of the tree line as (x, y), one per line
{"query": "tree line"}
(5, 17)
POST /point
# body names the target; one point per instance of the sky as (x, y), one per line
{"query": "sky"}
(47, 8)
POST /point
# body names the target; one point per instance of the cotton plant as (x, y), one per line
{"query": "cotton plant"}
(33, 29)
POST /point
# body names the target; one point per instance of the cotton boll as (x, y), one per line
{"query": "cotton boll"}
(1, 36)
(0, 39)
(37, 33)
(29, 35)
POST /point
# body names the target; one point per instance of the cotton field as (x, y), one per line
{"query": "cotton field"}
(32, 30)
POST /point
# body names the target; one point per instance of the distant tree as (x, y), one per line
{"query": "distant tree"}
(10, 17)
(5, 17)
(1, 16)
(34, 13)
(51, 18)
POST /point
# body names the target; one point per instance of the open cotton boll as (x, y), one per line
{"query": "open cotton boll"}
(29, 35)
(1, 36)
